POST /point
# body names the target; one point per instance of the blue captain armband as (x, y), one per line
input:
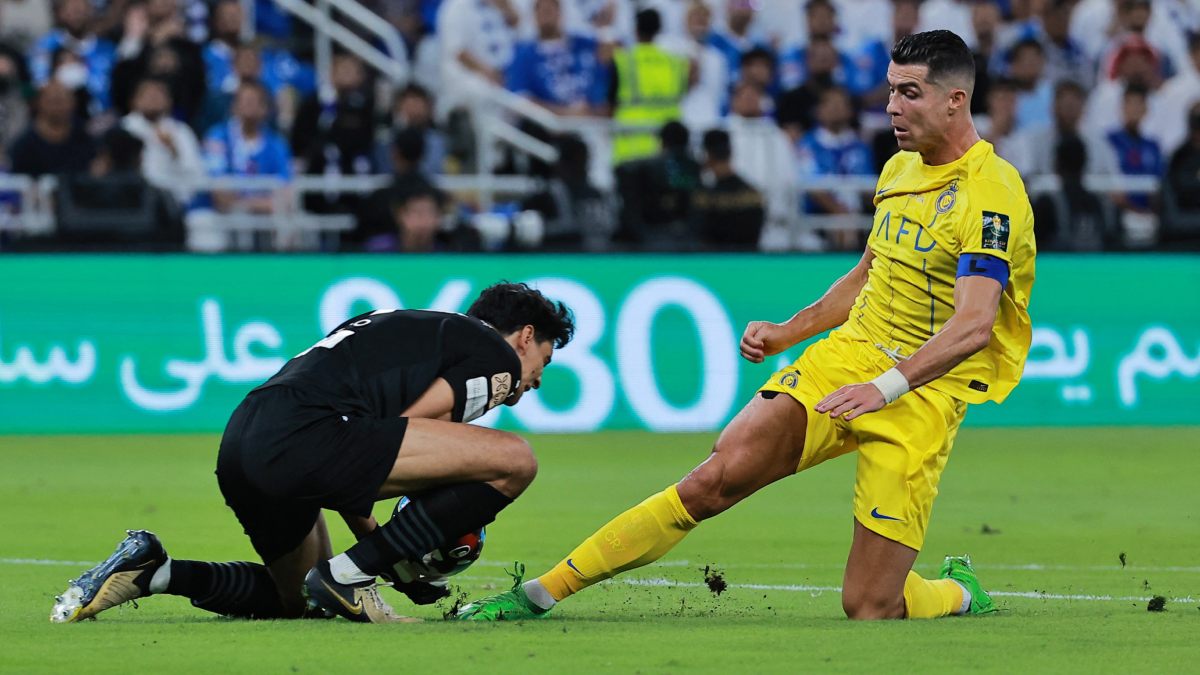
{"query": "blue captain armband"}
(983, 265)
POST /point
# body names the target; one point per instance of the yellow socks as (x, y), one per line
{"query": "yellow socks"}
(637, 537)
(927, 599)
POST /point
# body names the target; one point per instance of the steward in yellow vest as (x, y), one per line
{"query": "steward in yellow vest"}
(651, 82)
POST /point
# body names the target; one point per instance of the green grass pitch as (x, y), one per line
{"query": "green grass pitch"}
(1047, 515)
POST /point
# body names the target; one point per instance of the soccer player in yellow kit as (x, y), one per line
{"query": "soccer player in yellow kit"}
(934, 317)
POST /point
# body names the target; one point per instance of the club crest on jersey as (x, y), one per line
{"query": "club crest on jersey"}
(790, 380)
(501, 385)
(995, 231)
(946, 199)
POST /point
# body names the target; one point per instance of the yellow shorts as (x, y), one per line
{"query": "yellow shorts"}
(902, 448)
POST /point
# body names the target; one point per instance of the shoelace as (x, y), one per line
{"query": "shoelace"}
(380, 604)
(517, 573)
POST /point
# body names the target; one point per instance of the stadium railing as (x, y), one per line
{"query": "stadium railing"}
(27, 203)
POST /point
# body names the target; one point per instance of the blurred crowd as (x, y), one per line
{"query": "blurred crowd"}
(137, 103)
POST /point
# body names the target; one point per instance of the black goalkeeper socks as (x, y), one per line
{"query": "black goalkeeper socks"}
(429, 520)
(238, 589)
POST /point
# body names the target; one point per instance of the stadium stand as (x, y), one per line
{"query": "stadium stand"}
(270, 124)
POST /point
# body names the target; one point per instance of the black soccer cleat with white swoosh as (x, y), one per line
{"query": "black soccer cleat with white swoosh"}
(123, 577)
(356, 602)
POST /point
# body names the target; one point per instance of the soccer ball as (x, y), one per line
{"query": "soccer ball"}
(452, 558)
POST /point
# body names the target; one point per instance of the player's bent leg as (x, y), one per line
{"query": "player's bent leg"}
(436, 453)
(140, 567)
(308, 587)
(761, 445)
(251, 590)
(288, 571)
(880, 583)
(873, 586)
(457, 478)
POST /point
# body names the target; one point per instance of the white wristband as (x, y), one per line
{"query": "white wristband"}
(892, 384)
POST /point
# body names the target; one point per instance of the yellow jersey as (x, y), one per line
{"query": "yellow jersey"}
(925, 218)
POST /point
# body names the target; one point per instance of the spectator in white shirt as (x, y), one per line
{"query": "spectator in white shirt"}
(1177, 96)
(1100, 26)
(171, 158)
(701, 108)
(1032, 151)
(952, 15)
(762, 152)
(477, 44)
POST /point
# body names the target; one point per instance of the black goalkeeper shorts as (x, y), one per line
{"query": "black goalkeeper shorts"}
(285, 456)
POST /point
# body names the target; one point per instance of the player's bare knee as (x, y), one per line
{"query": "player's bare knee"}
(860, 606)
(517, 466)
(707, 490)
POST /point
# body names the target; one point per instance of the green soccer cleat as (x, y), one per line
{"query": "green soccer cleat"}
(511, 605)
(959, 569)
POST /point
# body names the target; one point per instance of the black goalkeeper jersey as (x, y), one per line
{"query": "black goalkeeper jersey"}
(379, 363)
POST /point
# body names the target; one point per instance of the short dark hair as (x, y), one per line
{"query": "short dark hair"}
(673, 135)
(414, 89)
(257, 85)
(409, 144)
(124, 150)
(945, 53)
(717, 146)
(1027, 43)
(1069, 87)
(1070, 156)
(509, 307)
(648, 24)
(759, 54)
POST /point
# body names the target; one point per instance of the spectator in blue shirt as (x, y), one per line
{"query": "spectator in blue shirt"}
(760, 69)
(1035, 91)
(834, 148)
(247, 146)
(564, 73)
(822, 25)
(73, 34)
(276, 68)
(736, 37)
(413, 109)
(1135, 154)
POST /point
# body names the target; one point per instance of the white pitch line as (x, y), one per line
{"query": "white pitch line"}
(792, 588)
(803, 588)
(51, 563)
(1024, 567)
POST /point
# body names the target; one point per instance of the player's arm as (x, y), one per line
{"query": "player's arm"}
(763, 338)
(437, 403)
(977, 293)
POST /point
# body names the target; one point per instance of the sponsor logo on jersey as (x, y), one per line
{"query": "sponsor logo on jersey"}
(501, 385)
(995, 231)
(477, 398)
